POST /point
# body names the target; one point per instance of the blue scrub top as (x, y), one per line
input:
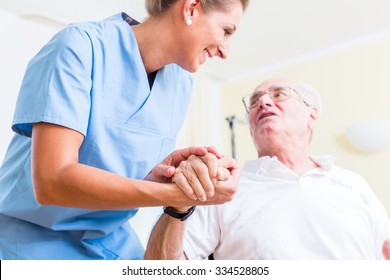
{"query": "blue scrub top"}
(90, 77)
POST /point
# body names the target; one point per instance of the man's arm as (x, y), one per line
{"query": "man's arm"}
(166, 240)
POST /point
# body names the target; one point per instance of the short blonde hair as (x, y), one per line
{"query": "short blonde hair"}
(158, 7)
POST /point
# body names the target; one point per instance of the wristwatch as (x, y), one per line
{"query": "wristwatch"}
(178, 214)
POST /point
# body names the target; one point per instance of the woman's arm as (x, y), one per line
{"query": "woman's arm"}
(59, 179)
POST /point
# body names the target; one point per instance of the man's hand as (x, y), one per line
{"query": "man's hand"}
(198, 176)
(225, 189)
(196, 171)
(164, 171)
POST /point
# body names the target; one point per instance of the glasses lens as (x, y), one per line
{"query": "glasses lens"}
(251, 101)
(280, 94)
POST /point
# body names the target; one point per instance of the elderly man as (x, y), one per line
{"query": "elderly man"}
(289, 205)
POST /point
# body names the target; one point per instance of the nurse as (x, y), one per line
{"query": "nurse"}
(99, 107)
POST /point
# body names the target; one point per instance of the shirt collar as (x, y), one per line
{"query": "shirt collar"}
(272, 167)
(325, 163)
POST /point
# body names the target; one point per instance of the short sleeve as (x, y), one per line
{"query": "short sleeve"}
(57, 84)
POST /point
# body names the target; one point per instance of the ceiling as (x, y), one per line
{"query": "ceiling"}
(272, 33)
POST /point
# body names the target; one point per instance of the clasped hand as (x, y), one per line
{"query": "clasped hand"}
(203, 174)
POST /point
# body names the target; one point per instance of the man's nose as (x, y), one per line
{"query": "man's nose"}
(265, 101)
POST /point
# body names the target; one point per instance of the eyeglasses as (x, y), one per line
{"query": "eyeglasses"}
(277, 95)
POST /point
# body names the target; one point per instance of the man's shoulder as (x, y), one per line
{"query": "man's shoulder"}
(352, 177)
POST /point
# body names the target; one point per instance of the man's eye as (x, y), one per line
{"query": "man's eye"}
(253, 101)
(279, 94)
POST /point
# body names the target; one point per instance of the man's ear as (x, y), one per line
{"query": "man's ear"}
(313, 118)
(386, 249)
(190, 9)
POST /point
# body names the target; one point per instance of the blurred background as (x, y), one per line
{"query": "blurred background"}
(341, 47)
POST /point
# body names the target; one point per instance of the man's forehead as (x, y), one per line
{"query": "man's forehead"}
(272, 84)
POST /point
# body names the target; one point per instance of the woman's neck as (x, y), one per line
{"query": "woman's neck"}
(155, 43)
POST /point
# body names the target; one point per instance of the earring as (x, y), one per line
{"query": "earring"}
(188, 21)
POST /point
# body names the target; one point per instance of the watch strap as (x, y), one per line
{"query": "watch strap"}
(182, 216)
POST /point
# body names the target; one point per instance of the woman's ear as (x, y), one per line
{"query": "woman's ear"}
(190, 9)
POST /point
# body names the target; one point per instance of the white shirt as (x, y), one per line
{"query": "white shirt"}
(327, 213)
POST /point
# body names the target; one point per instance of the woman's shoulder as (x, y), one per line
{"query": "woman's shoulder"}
(106, 32)
(99, 27)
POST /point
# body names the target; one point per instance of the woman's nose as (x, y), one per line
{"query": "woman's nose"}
(223, 51)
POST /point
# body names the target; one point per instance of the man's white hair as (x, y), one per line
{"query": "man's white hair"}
(311, 96)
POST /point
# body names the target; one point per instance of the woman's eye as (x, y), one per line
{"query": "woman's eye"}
(227, 32)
